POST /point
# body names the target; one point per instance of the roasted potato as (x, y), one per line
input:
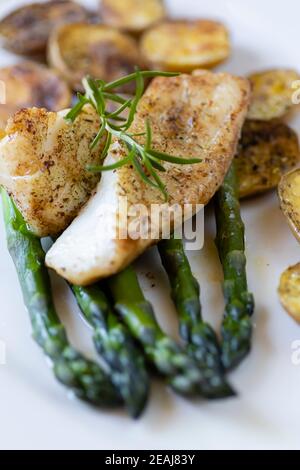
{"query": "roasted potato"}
(43, 162)
(132, 15)
(266, 151)
(271, 93)
(289, 195)
(184, 46)
(28, 84)
(26, 30)
(97, 50)
(289, 291)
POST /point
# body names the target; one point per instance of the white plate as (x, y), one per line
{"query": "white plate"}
(35, 411)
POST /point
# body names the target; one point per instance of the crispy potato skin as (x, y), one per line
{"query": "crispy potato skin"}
(26, 30)
(132, 15)
(289, 291)
(43, 162)
(183, 46)
(102, 52)
(271, 93)
(198, 115)
(289, 196)
(266, 151)
(29, 84)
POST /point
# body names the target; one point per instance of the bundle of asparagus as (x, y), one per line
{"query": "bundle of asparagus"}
(196, 369)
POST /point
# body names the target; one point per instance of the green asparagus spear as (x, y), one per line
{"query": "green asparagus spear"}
(236, 327)
(164, 353)
(201, 340)
(185, 288)
(115, 344)
(83, 377)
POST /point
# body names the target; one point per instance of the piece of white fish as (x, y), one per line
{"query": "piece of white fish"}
(43, 162)
(199, 115)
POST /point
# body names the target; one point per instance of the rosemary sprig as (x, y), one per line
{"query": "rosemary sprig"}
(146, 161)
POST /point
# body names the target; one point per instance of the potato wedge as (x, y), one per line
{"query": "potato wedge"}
(183, 46)
(26, 30)
(289, 195)
(43, 162)
(271, 93)
(289, 291)
(29, 84)
(266, 151)
(89, 49)
(132, 15)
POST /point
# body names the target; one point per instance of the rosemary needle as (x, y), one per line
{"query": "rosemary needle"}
(146, 161)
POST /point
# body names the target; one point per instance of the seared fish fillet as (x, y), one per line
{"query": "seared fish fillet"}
(43, 166)
(199, 115)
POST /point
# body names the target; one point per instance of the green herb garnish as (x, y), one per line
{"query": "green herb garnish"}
(146, 161)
